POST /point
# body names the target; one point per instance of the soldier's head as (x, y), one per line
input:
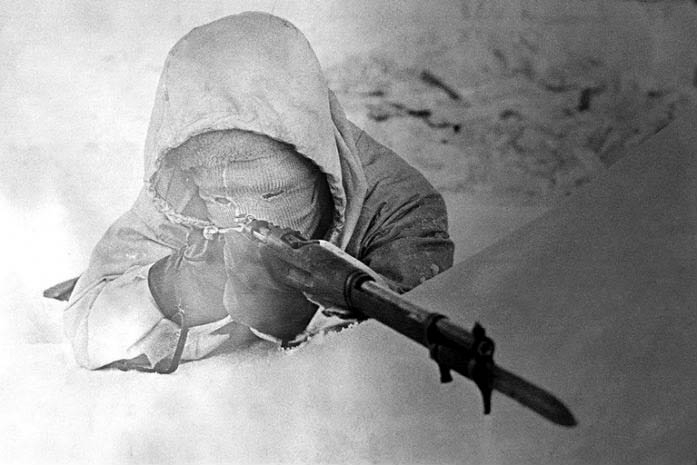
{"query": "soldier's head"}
(241, 172)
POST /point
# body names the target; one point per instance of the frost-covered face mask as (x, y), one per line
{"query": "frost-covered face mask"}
(238, 172)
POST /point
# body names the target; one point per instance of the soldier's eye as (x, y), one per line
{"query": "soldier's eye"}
(222, 200)
(271, 195)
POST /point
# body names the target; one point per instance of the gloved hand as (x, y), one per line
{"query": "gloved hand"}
(254, 298)
(191, 280)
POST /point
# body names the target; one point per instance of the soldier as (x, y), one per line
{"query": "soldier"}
(244, 123)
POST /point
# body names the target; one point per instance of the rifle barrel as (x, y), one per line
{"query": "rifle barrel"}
(457, 348)
(391, 309)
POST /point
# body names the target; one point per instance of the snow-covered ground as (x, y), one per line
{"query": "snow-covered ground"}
(542, 94)
(596, 300)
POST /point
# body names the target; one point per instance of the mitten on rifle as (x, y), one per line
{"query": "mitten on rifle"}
(191, 280)
(255, 298)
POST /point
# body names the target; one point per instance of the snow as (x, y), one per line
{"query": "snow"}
(76, 86)
(596, 301)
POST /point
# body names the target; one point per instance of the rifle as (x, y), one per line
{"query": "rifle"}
(329, 276)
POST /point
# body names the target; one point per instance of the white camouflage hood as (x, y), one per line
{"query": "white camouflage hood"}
(254, 72)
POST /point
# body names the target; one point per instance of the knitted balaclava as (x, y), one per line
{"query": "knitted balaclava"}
(240, 172)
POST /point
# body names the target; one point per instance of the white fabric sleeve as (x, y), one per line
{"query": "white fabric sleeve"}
(118, 319)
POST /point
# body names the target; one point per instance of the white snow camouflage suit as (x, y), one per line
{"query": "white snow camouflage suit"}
(258, 73)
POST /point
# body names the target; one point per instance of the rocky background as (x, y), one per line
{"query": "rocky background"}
(527, 101)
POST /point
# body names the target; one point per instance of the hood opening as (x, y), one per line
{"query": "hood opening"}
(253, 72)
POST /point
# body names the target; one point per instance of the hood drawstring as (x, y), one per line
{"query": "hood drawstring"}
(210, 231)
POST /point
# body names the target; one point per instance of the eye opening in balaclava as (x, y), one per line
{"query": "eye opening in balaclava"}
(240, 172)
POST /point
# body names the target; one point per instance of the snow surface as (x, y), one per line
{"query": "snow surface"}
(76, 86)
(597, 301)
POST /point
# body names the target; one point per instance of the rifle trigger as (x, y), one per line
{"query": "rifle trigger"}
(445, 375)
(430, 336)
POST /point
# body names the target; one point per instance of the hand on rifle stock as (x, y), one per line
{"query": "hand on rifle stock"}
(255, 292)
